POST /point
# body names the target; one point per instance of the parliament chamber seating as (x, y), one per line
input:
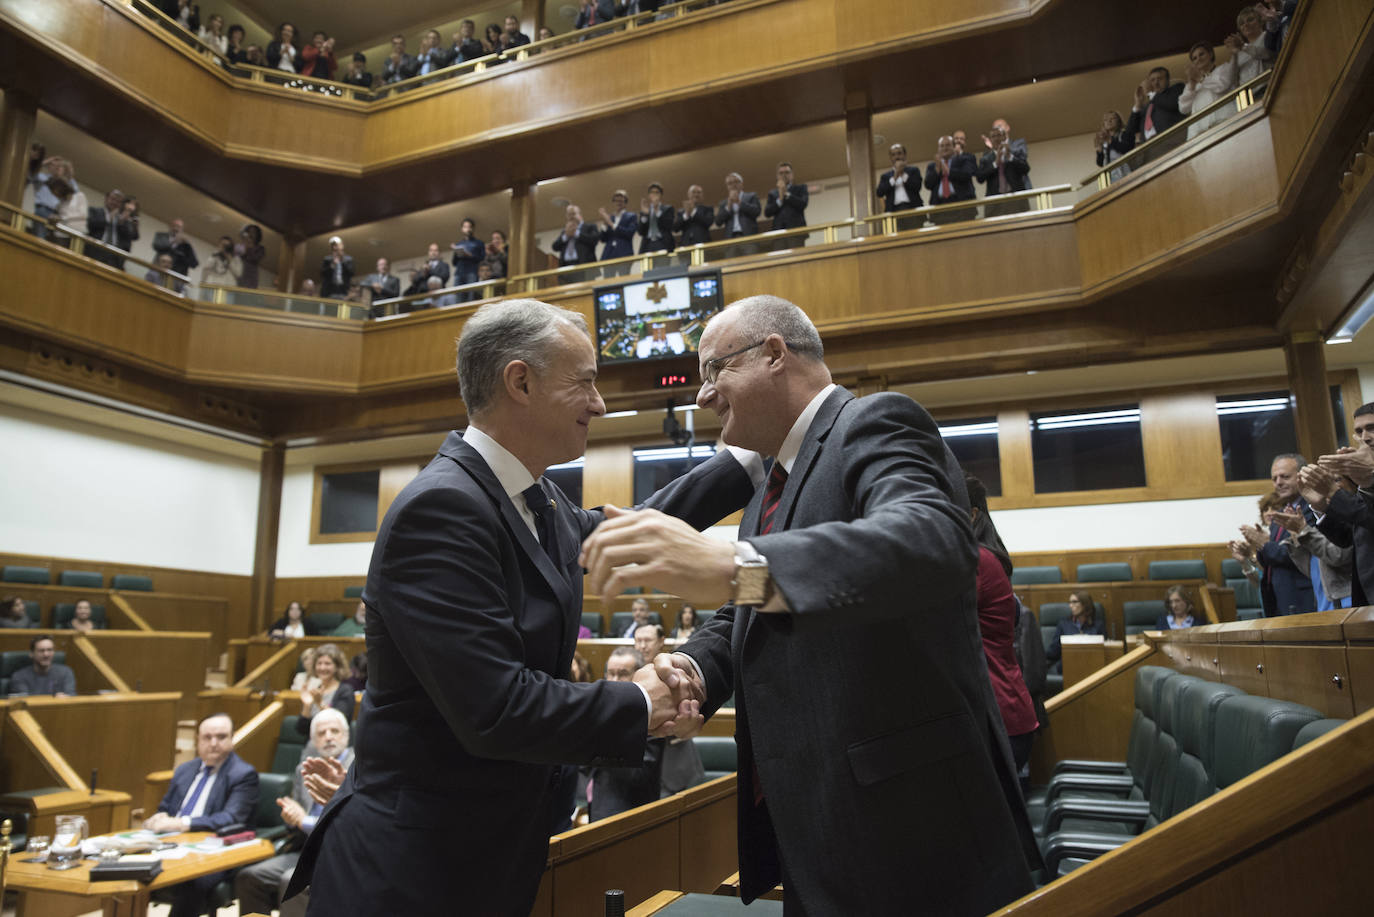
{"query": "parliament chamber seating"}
(82, 579)
(592, 621)
(290, 743)
(34, 611)
(38, 576)
(326, 621)
(14, 660)
(1143, 614)
(719, 755)
(1178, 569)
(63, 612)
(1028, 576)
(1114, 572)
(1231, 569)
(621, 620)
(1249, 605)
(353, 592)
(129, 582)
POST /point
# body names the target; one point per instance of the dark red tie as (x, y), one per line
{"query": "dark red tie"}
(777, 480)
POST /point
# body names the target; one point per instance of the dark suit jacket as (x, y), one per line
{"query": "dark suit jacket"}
(695, 227)
(125, 233)
(393, 74)
(1163, 110)
(619, 239)
(428, 269)
(468, 50)
(962, 167)
(584, 244)
(471, 630)
(391, 285)
(1066, 628)
(1284, 588)
(605, 12)
(814, 689)
(273, 54)
(792, 212)
(232, 799)
(664, 243)
(183, 255)
(619, 789)
(327, 285)
(749, 210)
(1016, 168)
(1349, 521)
(887, 189)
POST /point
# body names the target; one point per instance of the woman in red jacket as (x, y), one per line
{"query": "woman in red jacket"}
(997, 622)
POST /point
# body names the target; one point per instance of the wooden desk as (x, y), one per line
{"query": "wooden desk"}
(1085, 654)
(45, 892)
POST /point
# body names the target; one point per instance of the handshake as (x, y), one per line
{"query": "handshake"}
(675, 694)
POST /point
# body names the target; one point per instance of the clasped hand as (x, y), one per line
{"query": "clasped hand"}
(676, 694)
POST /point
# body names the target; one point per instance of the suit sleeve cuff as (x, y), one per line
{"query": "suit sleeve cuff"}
(751, 461)
(695, 668)
(648, 706)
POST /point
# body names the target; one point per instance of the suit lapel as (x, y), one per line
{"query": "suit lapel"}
(476, 466)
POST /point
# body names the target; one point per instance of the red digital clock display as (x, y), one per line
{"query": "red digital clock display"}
(672, 380)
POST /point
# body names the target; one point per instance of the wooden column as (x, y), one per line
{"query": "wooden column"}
(18, 112)
(858, 133)
(523, 197)
(291, 265)
(270, 474)
(1305, 354)
(532, 17)
(1014, 454)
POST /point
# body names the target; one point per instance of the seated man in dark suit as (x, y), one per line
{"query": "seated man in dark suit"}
(900, 187)
(787, 205)
(258, 887)
(215, 789)
(612, 790)
(44, 676)
(1155, 111)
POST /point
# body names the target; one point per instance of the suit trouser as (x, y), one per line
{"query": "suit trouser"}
(257, 886)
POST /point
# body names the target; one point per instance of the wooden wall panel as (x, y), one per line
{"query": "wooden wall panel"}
(159, 662)
(1176, 430)
(259, 348)
(608, 476)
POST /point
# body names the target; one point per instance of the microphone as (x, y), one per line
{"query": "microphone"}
(95, 777)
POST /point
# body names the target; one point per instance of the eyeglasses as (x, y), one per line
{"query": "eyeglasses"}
(710, 370)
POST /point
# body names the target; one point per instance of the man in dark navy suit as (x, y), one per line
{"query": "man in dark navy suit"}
(473, 602)
(1284, 588)
(215, 789)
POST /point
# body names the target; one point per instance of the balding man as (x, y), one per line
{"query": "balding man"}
(949, 179)
(900, 187)
(1004, 169)
(473, 601)
(739, 214)
(848, 636)
(1285, 588)
(215, 789)
(258, 887)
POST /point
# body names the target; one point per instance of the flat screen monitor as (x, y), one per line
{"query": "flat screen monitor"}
(655, 319)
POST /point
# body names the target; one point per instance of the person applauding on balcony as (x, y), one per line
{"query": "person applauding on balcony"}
(281, 52)
(317, 58)
(250, 251)
(513, 37)
(468, 253)
(497, 257)
(175, 243)
(433, 266)
(1004, 168)
(787, 204)
(693, 222)
(1208, 81)
(399, 65)
(224, 267)
(357, 74)
(431, 55)
(336, 271)
(466, 47)
(212, 33)
(1112, 142)
(900, 186)
(949, 178)
(655, 221)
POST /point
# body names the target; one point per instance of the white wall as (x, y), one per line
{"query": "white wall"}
(1125, 525)
(78, 490)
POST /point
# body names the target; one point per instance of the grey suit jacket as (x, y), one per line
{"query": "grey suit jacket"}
(867, 710)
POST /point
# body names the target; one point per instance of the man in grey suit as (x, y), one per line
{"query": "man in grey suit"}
(849, 636)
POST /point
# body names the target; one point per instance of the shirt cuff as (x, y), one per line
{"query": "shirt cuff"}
(695, 668)
(648, 706)
(308, 823)
(751, 461)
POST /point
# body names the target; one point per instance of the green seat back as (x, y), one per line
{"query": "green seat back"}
(131, 583)
(325, 621)
(1315, 730)
(1027, 576)
(14, 660)
(1142, 614)
(1195, 720)
(35, 613)
(1249, 614)
(272, 786)
(1051, 613)
(290, 744)
(719, 755)
(353, 592)
(1231, 569)
(1115, 572)
(1252, 732)
(82, 579)
(1247, 593)
(39, 576)
(621, 620)
(63, 612)
(1178, 569)
(592, 621)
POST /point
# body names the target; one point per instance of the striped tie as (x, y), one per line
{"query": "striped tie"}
(777, 480)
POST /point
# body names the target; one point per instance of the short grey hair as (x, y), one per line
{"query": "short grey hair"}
(628, 651)
(330, 713)
(499, 332)
(1291, 456)
(760, 316)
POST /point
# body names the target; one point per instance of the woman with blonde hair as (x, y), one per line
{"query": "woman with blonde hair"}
(324, 688)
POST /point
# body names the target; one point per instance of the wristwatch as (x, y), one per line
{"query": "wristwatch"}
(752, 585)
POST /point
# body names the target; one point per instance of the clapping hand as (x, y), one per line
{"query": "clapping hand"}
(1241, 550)
(322, 778)
(1254, 536)
(1356, 464)
(1317, 485)
(605, 217)
(570, 228)
(1235, 41)
(1142, 94)
(291, 811)
(1293, 522)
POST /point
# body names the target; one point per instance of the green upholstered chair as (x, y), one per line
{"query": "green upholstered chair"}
(1249, 605)
(131, 583)
(1142, 614)
(1231, 569)
(266, 822)
(719, 755)
(82, 579)
(1030, 576)
(38, 576)
(592, 621)
(326, 621)
(353, 592)
(1178, 569)
(621, 620)
(34, 612)
(1114, 572)
(14, 660)
(1315, 730)
(290, 744)
(63, 612)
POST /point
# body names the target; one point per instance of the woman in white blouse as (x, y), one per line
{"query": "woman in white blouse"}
(212, 33)
(1207, 82)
